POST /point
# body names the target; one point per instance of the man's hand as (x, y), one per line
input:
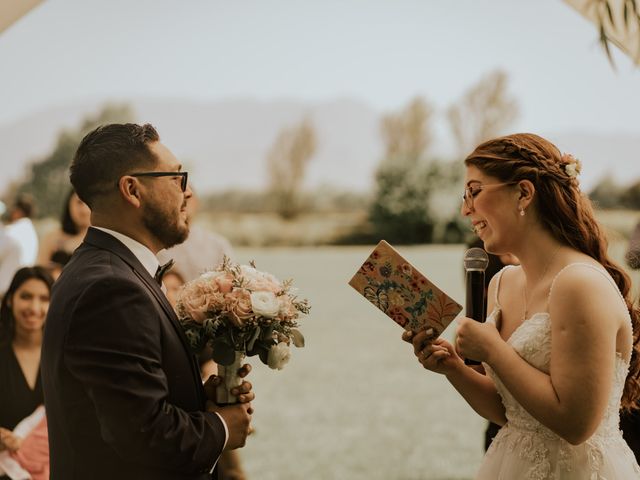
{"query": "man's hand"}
(238, 420)
(243, 392)
(238, 416)
(9, 440)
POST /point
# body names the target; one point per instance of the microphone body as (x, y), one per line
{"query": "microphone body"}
(475, 264)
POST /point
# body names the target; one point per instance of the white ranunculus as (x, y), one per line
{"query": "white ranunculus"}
(265, 304)
(279, 356)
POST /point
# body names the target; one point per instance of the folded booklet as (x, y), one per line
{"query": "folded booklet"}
(404, 294)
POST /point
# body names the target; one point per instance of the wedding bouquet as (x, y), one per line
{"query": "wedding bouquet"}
(239, 311)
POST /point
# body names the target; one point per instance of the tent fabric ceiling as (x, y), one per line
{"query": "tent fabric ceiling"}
(624, 36)
(12, 10)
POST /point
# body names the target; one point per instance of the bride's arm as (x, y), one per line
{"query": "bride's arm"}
(480, 393)
(476, 388)
(586, 313)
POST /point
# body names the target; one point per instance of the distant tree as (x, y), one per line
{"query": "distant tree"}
(631, 196)
(287, 163)
(407, 134)
(607, 193)
(48, 178)
(484, 112)
(405, 178)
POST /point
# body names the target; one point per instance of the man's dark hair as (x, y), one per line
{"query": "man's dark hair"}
(106, 154)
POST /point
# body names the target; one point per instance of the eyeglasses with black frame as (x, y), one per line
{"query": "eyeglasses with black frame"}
(472, 191)
(183, 180)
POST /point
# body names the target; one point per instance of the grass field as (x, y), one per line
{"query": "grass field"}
(355, 404)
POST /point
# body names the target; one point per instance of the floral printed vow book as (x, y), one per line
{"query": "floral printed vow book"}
(404, 294)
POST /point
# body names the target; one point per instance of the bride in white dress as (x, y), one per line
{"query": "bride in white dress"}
(558, 354)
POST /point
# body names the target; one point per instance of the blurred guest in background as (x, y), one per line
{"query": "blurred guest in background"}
(21, 229)
(22, 314)
(9, 259)
(58, 245)
(202, 250)
(172, 282)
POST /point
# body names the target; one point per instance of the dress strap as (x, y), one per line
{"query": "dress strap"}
(600, 270)
(498, 279)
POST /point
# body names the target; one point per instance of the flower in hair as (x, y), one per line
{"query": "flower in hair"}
(572, 166)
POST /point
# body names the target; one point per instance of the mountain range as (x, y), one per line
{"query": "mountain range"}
(224, 144)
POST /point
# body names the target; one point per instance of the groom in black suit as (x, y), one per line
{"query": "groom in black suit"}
(123, 393)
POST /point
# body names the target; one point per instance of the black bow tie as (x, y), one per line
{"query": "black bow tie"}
(162, 269)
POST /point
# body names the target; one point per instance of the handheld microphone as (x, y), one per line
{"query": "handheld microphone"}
(475, 263)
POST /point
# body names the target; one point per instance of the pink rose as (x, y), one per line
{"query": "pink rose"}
(194, 305)
(216, 302)
(198, 298)
(239, 306)
(260, 281)
(224, 283)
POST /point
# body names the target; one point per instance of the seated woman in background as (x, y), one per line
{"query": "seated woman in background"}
(22, 314)
(57, 247)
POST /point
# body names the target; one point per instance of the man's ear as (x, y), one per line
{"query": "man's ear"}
(129, 188)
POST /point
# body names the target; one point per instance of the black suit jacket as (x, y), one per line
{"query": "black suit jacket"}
(122, 391)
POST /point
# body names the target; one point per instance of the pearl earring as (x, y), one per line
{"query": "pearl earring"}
(522, 212)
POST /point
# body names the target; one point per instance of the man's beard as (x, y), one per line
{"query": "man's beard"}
(164, 226)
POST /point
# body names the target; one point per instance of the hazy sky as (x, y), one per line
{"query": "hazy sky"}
(381, 52)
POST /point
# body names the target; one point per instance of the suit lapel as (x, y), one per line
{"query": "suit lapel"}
(103, 240)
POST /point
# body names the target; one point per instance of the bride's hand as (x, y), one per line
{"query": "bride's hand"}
(476, 340)
(435, 354)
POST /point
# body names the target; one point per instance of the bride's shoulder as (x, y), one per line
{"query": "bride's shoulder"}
(503, 281)
(585, 286)
(584, 277)
(506, 276)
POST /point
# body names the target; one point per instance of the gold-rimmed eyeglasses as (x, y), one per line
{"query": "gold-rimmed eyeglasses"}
(472, 191)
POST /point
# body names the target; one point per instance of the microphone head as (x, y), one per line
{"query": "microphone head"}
(475, 259)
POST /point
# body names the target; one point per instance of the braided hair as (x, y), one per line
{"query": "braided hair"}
(565, 211)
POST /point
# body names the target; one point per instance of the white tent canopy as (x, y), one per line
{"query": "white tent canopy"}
(12, 10)
(625, 35)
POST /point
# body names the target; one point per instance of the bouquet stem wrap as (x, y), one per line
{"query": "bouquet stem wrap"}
(230, 379)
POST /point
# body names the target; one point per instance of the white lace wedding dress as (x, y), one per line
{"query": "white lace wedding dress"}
(524, 449)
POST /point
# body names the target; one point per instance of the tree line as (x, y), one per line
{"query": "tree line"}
(415, 196)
